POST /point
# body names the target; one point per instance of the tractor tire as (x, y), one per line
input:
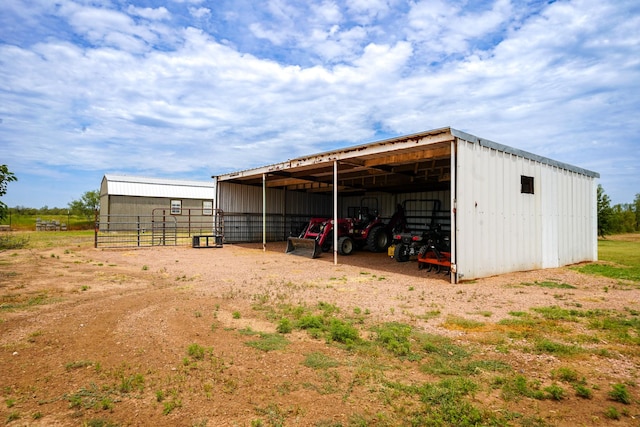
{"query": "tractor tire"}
(328, 243)
(378, 239)
(345, 245)
(401, 253)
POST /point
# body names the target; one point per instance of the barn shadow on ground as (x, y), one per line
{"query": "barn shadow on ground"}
(362, 259)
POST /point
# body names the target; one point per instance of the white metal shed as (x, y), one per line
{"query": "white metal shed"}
(133, 195)
(506, 209)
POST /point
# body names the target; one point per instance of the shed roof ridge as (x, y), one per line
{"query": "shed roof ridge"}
(133, 179)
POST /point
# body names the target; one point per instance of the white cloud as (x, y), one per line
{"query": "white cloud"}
(199, 12)
(327, 13)
(366, 11)
(289, 79)
(149, 13)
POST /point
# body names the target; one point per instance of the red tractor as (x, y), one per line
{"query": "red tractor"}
(361, 229)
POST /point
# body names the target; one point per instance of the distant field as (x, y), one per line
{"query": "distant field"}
(28, 222)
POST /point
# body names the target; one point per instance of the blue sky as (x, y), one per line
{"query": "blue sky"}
(194, 88)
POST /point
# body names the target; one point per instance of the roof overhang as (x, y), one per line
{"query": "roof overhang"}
(392, 165)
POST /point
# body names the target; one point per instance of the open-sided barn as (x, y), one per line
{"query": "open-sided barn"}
(504, 209)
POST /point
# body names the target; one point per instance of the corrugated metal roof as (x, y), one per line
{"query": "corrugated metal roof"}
(125, 185)
(390, 165)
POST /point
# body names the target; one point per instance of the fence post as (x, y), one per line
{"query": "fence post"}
(164, 228)
(138, 228)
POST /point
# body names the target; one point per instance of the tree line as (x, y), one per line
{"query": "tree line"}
(87, 205)
(619, 218)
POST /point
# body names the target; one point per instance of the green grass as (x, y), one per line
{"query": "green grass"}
(556, 348)
(269, 342)
(40, 299)
(619, 393)
(621, 260)
(52, 239)
(626, 252)
(394, 337)
(550, 285)
(196, 351)
(612, 271)
(78, 364)
(12, 241)
(565, 374)
(28, 222)
(457, 323)
(317, 360)
(444, 403)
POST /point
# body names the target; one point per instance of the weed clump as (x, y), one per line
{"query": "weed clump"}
(619, 393)
(394, 337)
(13, 242)
(196, 351)
(284, 326)
(343, 332)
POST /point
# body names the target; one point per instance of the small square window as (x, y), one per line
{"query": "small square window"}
(526, 184)
(207, 207)
(176, 207)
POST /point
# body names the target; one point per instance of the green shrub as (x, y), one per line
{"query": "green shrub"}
(310, 321)
(284, 326)
(565, 374)
(516, 387)
(395, 338)
(196, 351)
(343, 332)
(582, 391)
(612, 413)
(555, 392)
(619, 393)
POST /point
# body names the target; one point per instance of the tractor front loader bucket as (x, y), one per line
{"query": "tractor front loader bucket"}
(303, 247)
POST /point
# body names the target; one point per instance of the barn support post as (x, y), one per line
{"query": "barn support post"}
(284, 216)
(452, 194)
(264, 212)
(335, 212)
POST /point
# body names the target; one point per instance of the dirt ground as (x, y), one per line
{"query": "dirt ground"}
(89, 334)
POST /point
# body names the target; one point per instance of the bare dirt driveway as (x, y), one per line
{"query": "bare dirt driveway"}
(236, 336)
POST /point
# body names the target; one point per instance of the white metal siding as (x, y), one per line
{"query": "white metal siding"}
(499, 229)
(122, 185)
(239, 198)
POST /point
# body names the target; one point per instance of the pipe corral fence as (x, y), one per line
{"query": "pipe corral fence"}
(161, 228)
